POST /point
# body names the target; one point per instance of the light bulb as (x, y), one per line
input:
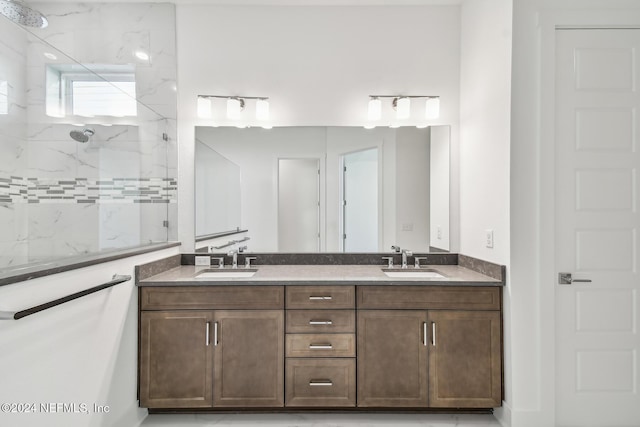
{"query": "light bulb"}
(403, 108)
(375, 109)
(262, 109)
(234, 107)
(432, 108)
(204, 108)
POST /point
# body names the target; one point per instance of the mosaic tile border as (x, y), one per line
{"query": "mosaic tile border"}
(14, 189)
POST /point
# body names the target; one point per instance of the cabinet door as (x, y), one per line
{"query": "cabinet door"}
(392, 358)
(175, 359)
(249, 358)
(465, 364)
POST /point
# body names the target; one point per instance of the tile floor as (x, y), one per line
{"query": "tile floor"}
(320, 420)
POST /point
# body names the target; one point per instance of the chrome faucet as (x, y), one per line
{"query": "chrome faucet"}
(405, 254)
(234, 254)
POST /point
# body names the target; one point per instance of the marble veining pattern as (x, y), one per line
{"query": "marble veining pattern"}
(321, 420)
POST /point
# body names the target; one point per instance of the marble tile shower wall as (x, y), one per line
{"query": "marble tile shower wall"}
(59, 197)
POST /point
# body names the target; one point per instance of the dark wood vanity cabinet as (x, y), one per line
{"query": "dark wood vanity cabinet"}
(436, 347)
(392, 359)
(366, 346)
(176, 364)
(465, 359)
(229, 356)
(320, 346)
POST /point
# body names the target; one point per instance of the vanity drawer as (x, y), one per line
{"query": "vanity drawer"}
(318, 321)
(320, 297)
(212, 297)
(320, 382)
(320, 345)
(429, 297)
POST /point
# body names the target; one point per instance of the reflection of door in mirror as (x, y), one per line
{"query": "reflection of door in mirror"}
(298, 205)
(360, 201)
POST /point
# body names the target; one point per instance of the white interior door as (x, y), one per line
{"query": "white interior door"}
(360, 201)
(597, 161)
(298, 205)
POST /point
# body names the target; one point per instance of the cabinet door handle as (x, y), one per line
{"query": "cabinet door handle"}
(321, 297)
(320, 346)
(433, 333)
(215, 334)
(320, 383)
(320, 322)
(207, 333)
(424, 333)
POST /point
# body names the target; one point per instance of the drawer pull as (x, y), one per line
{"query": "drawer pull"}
(320, 322)
(324, 297)
(433, 333)
(215, 334)
(206, 339)
(320, 347)
(313, 383)
(424, 333)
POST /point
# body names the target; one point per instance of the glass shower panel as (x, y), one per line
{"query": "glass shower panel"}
(101, 177)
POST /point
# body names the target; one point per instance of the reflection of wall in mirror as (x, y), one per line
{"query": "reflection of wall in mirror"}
(217, 189)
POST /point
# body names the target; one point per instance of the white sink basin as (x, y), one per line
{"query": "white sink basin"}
(225, 274)
(413, 274)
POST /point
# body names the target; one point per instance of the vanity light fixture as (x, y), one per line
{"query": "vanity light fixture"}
(432, 108)
(262, 109)
(235, 106)
(204, 108)
(375, 109)
(402, 105)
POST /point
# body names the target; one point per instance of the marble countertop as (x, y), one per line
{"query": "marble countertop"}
(185, 275)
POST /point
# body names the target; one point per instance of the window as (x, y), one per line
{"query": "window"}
(91, 90)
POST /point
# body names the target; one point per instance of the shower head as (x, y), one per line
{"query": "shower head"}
(20, 13)
(82, 135)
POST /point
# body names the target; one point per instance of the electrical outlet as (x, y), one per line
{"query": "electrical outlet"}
(489, 238)
(439, 232)
(203, 260)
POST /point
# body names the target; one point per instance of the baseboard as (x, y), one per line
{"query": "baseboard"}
(503, 414)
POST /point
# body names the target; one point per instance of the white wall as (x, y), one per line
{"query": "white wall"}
(84, 351)
(317, 64)
(484, 128)
(412, 189)
(485, 102)
(440, 187)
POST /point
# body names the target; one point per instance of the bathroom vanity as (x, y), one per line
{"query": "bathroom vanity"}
(320, 336)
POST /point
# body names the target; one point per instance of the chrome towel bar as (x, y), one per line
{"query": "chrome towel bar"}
(15, 315)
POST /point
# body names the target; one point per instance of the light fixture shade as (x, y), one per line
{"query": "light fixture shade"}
(204, 108)
(234, 107)
(432, 108)
(262, 109)
(375, 109)
(403, 108)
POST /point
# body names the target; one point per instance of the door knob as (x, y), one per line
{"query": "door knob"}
(567, 279)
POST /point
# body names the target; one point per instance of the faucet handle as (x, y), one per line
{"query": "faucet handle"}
(220, 261)
(396, 249)
(418, 259)
(241, 249)
(247, 261)
(389, 260)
